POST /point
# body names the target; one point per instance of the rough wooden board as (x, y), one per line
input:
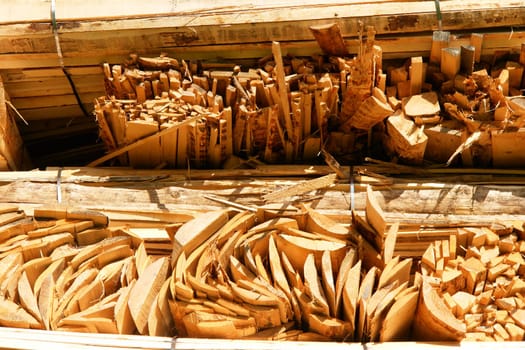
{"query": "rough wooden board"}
(304, 187)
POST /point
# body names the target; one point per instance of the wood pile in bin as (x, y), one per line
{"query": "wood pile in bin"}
(258, 275)
(454, 108)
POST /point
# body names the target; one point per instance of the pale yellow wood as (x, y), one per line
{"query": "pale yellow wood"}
(145, 291)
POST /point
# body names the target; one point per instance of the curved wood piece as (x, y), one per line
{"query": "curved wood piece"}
(434, 320)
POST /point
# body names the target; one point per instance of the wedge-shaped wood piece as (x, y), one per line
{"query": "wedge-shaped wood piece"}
(46, 299)
(390, 243)
(276, 267)
(12, 315)
(298, 248)
(398, 321)
(434, 320)
(107, 282)
(100, 324)
(273, 224)
(313, 286)
(71, 294)
(194, 232)
(8, 262)
(163, 304)
(54, 269)
(95, 249)
(317, 222)
(381, 310)
(395, 271)
(366, 290)
(157, 325)
(35, 267)
(374, 213)
(27, 297)
(92, 236)
(122, 314)
(243, 221)
(239, 271)
(146, 290)
(253, 297)
(350, 294)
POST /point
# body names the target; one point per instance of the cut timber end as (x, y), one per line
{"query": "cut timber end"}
(12, 150)
(329, 39)
(450, 62)
(442, 143)
(416, 75)
(424, 104)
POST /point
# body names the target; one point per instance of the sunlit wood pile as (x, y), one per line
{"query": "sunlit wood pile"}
(456, 108)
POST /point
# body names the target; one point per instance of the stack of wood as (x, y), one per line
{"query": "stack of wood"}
(285, 110)
(473, 286)
(457, 104)
(284, 278)
(65, 270)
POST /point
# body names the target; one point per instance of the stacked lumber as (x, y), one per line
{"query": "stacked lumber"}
(473, 286)
(291, 108)
(222, 33)
(278, 112)
(65, 270)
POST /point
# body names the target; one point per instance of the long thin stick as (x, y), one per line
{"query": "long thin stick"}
(142, 141)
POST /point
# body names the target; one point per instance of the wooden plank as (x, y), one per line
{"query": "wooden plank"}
(142, 141)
